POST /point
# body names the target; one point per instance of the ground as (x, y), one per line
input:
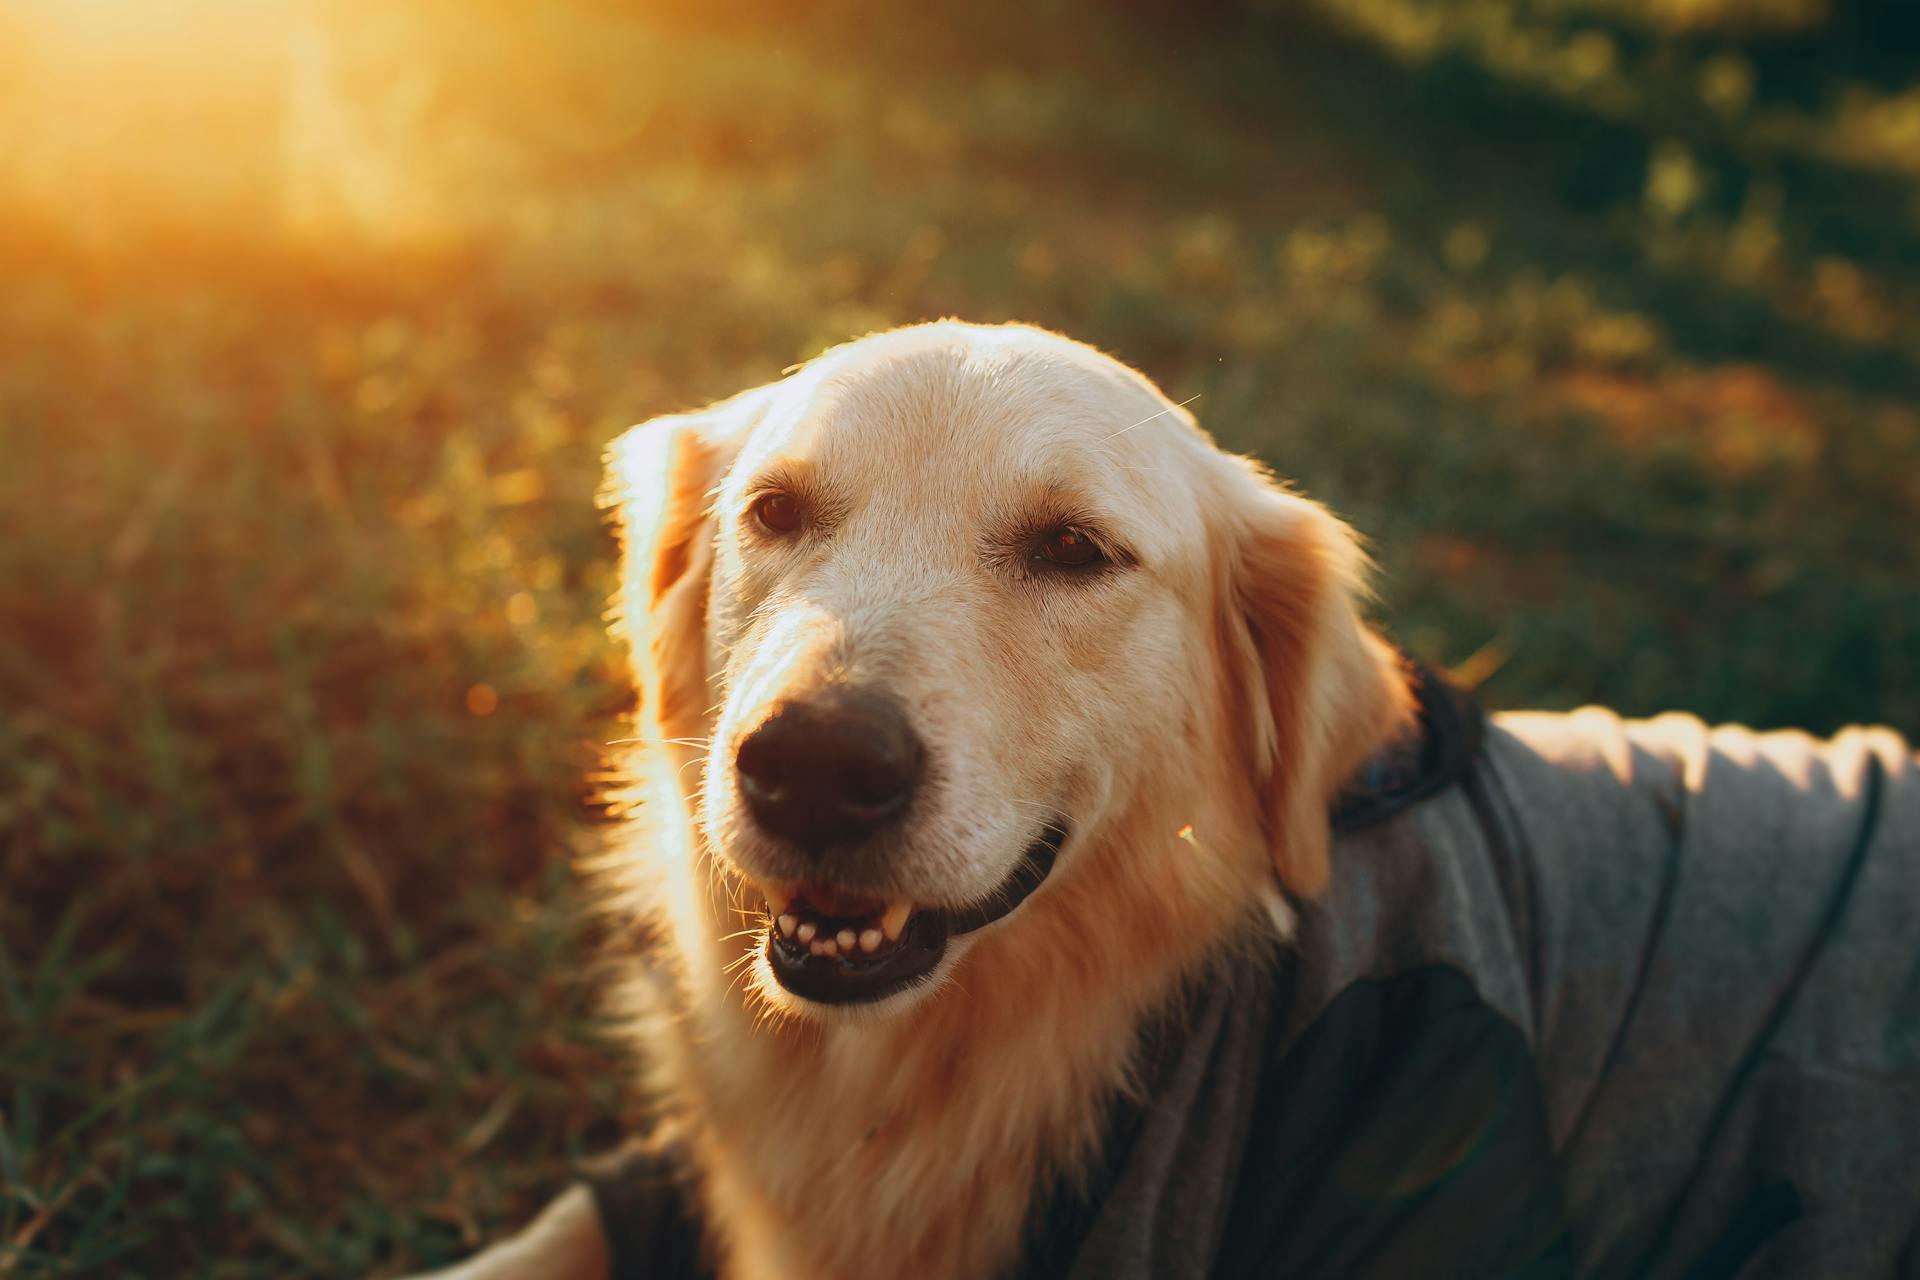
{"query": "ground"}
(1601, 325)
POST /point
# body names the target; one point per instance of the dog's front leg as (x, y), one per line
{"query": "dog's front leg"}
(565, 1242)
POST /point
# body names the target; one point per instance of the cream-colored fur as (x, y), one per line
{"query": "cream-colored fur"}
(1189, 711)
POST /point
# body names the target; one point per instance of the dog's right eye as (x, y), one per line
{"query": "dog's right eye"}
(778, 512)
(1070, 547)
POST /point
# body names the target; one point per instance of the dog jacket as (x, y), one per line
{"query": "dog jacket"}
(1585, 997)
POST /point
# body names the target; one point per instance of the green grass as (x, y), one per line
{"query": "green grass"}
(303, 675)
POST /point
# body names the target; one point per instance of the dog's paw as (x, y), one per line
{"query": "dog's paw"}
(564, 1243)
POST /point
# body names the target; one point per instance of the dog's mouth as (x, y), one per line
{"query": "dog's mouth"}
(835, 947)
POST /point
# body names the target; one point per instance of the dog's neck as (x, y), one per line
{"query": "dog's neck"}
(920, 1141)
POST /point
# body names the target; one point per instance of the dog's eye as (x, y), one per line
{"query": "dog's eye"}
(777, 511)
(1068, 546)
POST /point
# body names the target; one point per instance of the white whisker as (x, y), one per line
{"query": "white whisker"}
(661, 742)
(1150, 417)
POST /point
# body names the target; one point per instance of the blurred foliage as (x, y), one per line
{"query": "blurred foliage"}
(1600, 318)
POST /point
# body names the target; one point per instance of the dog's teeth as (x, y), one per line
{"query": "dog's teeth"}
(786, 924)
(870, 939)
(830, 948)
(846, 938)
(807, 929)
(817, 948)
(895, 919)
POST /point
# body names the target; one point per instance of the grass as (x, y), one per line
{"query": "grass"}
(303, 387)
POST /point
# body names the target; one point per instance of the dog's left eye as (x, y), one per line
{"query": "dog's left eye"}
(778, 512)
(1068, 546)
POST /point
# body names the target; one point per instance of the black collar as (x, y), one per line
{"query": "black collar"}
(1429, 758)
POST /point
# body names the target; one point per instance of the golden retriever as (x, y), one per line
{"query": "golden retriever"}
(988, 711)
(983, 700)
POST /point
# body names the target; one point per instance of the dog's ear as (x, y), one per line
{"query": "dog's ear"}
(1322, 689)
(661, 478)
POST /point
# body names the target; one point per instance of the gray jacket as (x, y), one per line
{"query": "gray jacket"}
(1586, 997)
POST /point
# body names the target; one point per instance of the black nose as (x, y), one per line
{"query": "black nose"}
(830, 769)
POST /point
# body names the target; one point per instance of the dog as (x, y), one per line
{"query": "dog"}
(1046, 869)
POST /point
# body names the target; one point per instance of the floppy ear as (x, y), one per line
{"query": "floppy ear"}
(1324, 691)
(661, 477)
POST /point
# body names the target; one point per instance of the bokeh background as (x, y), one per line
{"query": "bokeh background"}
(1600, 317)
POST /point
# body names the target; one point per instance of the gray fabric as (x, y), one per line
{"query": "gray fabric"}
(1751, 839)
(1165, 1212)
(1718, 976)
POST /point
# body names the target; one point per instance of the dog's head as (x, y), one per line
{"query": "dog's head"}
(956, 617)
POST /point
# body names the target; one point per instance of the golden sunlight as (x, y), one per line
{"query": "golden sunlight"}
(206, 118)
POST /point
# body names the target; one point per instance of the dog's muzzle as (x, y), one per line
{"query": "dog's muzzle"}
(842, 948)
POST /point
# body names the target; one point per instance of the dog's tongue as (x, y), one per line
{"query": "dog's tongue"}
(839, 906)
